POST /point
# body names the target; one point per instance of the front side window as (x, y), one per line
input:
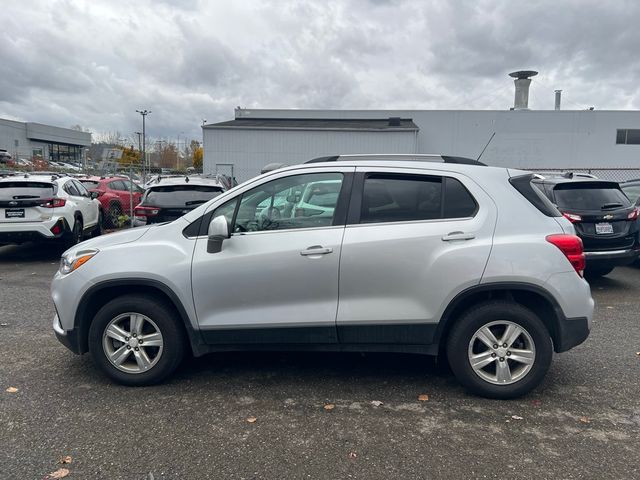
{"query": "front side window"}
(300, 201)
(402, 198)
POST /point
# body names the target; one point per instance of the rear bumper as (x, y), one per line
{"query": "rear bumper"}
(571, 332)
(21, 232)
(611, 258)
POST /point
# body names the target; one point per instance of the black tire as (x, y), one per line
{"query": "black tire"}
(597, 272)
(99, 228)
(114, 213)
(75, 235)
(461, 334)
(165, 318)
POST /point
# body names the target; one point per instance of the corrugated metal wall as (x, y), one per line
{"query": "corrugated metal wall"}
(249, 150)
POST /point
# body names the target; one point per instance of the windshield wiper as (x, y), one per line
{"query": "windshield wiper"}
(606, 206)
(194, 202)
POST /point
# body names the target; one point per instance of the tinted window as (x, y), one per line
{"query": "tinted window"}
(458, 202)
(631, 191)
(90, 184)
(181, 195)
(70, 188)
(25, 190)
(589, 196)
(81, 188)
(116, 185)
(300, 201)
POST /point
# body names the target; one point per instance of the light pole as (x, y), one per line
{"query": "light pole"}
(144, 114)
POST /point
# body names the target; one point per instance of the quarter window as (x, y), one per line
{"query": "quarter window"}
(402, 198)
(300, 201)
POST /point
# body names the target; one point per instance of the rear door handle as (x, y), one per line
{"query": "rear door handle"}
(316, 250)
(450, 237)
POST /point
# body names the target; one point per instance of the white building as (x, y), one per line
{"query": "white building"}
(519, 137)
(29, 140)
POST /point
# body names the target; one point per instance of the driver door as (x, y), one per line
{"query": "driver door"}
(275, 280)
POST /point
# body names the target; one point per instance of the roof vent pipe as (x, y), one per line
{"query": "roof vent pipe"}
(558, 98)
(522, 82)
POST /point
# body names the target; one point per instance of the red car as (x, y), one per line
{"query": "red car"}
(114, 196)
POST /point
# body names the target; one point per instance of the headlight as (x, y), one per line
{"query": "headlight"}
(72, 261)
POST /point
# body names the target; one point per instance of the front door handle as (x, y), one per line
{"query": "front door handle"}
(450, 237)
(316, 250)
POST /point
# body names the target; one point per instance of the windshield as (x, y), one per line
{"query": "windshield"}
(181, 195)
(25, 190)
(590, 196)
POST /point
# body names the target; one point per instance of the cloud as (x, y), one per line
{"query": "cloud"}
(94, 63)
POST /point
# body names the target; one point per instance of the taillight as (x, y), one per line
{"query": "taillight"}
(146, 211)
(53, 203)
(633, 215)
(572, 217)
(572, 248)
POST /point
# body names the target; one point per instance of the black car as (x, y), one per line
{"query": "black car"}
(171, 198)
(603, 216)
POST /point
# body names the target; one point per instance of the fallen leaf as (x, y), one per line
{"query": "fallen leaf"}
(353, 455)
(423, 398)
(536, 403)
(329, 406)
(60, 473)
(251, 420)
(376, 403)
(638, 353)
(609, 307)
(585, 420)
(4, 324)
(11, 390)
(65, 460)
(516, 417)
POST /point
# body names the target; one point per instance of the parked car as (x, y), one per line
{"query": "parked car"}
(602, 215)
(5, 157)
(425, 254)
(38, 207)
(171, 198)
(114, 194)
(632, 190)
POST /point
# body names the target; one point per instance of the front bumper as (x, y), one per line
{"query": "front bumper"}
(69, 338)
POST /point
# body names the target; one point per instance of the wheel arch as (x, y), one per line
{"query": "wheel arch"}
(98, 295)
(533, 297)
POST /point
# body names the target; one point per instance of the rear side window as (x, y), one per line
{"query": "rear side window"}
(181, 195)
(401, 198)
(90, 184)
(117, 185)
(25, 190)
(590, 196)
(71, 189)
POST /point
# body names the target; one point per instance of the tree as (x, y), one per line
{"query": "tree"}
(198, 156)
(130, 156)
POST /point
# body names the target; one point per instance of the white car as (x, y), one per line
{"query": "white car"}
(47, 207)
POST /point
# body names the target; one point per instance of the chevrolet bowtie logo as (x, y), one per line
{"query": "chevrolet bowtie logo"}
(607, 217)
(13, 204)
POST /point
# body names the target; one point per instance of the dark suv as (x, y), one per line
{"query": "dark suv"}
(602, 215)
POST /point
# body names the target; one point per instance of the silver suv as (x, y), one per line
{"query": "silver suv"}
(424, 254)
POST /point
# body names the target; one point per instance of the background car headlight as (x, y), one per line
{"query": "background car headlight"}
(72, 261)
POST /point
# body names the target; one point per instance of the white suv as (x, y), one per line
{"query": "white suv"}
(424, 254)
(47, 207)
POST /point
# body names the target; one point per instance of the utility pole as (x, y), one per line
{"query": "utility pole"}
(144, 114)
(139, 140)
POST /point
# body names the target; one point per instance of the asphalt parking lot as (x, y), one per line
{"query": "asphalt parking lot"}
(584, 421)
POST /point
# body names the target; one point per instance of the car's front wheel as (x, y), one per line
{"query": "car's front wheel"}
(137, 340)
(499, 350)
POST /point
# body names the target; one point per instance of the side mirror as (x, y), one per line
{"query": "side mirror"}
(94, 195)
(217, 233)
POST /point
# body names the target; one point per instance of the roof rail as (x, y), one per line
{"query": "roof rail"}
(401, 157)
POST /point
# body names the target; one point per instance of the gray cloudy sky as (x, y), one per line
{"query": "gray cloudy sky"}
(95, 62)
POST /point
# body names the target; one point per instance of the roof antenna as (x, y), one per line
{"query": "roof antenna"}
(485, 147)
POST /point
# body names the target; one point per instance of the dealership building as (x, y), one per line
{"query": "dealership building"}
(518, 137)
(35, 140)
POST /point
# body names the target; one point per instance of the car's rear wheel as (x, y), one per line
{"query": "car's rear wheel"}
(597, 272)
(75, 235)
(137, 340)
(499, 350)
(113, 215)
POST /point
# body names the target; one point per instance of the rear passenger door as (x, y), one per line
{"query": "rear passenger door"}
(413, 240)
